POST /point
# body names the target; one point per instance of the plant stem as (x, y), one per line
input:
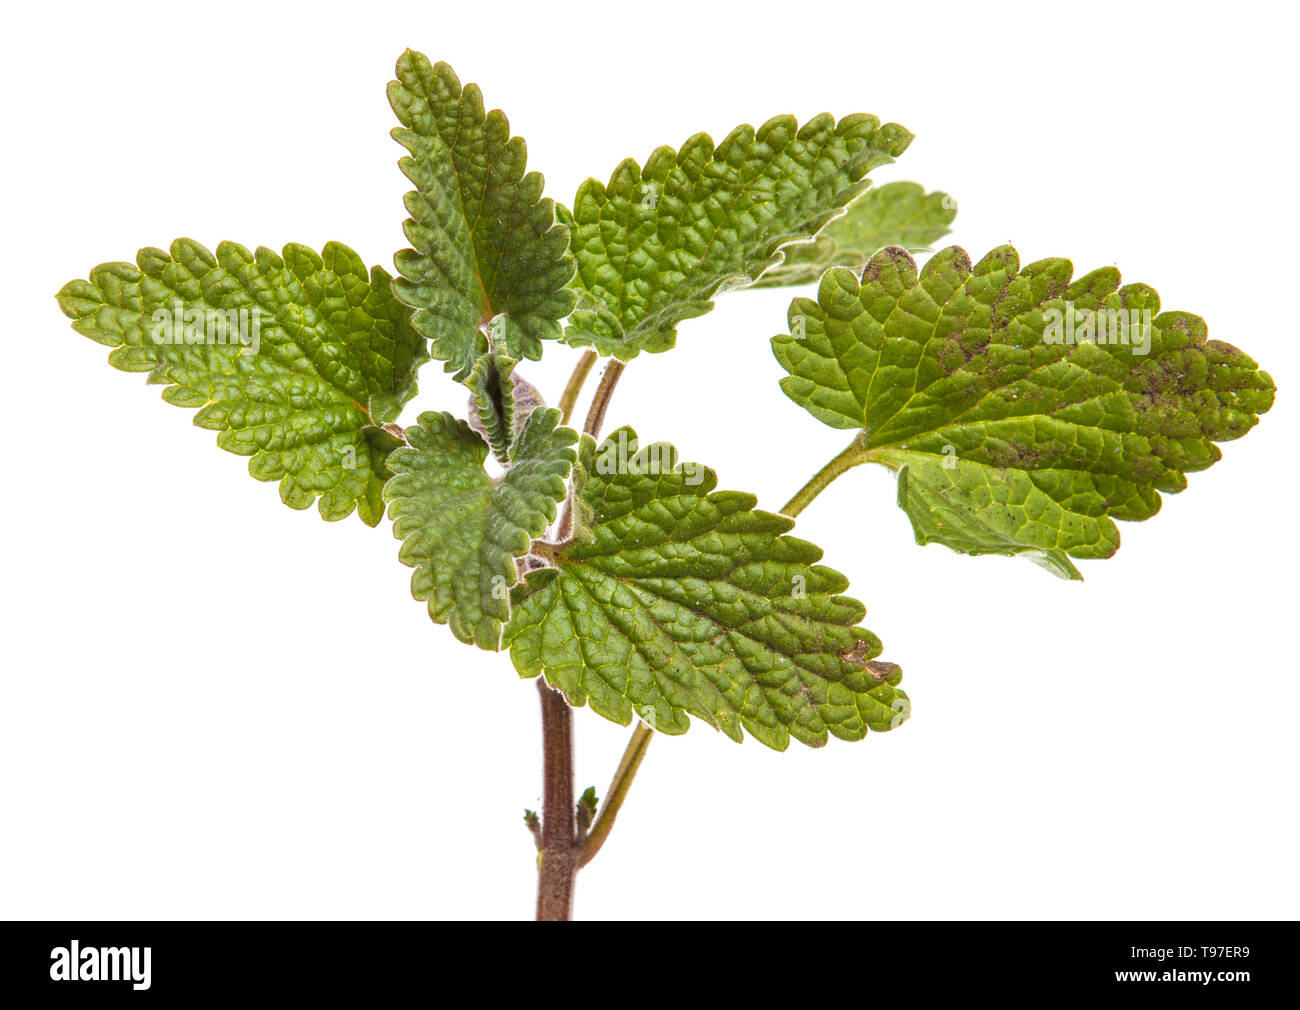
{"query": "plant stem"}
(558, 862)
(557, 865)
(569, 399)
(600, 400)
(618, 788)
(595, 418)
(855, 454)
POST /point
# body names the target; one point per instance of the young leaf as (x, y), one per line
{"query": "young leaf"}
(487, 250)
(1022, 411)
(690, 601)
(461, 531)
(500, 402)
(296, 360)
(656, 244)
(898, 213)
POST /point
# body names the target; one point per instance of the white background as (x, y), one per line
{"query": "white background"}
(214, 706)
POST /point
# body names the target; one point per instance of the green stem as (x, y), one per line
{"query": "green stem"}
(569, 399)
(600, 399)
(618, 789)
(595, 417)
(855, 454)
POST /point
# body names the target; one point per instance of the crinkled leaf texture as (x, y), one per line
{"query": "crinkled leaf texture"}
(688, 600)
(486, 246)
(297, 360)
(500, 402)
(1010, 435)
(898, 213)
(655, 244)
(461, 531)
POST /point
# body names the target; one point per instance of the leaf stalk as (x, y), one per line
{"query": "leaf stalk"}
(600, 400)
(855, 454)
(569, 398)
(618, 790)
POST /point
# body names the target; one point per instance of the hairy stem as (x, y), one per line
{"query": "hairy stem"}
(604, 393)
(595, 418)
(558, 862)
(852, 456)
(569, 399)
(557, 865)
(618, 789)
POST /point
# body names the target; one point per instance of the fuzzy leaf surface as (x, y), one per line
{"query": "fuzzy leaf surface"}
(688, 601)
(462, 532)
(486, 249)
(655, 244)
(1024, 410)
(898, 213)
(500, 402)
(296, 360)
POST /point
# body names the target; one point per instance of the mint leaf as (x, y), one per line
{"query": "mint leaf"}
(296, 360)
(655, 245)
(898, 213)
(487, 250)
(690, 601)
(1022, 410)
(461, 531)
(500, 402)
(979, 510)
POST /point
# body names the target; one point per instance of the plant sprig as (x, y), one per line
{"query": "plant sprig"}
(1024, 411)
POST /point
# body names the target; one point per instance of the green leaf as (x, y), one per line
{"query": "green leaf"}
(500, 402)
(1022, 410)
(296, 360)
(899, 213)
(689, 601)
(487, 250)
(980, 510)
(656, 244)
(586, 808)
(461, 531)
